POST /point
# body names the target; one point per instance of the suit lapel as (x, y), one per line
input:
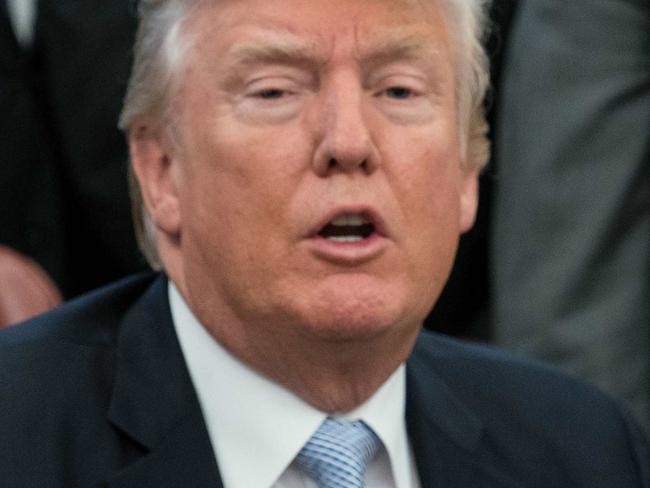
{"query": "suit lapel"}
(448, 439)
(154, 403)
(182, 458)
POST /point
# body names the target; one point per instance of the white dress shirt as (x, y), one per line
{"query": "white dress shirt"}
(257, 427)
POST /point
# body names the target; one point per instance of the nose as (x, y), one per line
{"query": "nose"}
(344, 138)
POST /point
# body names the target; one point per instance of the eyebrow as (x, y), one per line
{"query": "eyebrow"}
(298, 51)
(284, 51)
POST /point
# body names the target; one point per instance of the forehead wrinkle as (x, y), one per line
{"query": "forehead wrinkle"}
(399, 48)
(300, 52)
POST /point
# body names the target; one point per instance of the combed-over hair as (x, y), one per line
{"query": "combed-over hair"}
(161, 45)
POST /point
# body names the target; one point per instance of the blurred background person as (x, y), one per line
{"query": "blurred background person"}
(571, 238)
(63, 71)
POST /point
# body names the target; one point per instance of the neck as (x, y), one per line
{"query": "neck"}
(333, 377)
(333, 374)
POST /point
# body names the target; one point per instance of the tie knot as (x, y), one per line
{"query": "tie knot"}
(337, 454)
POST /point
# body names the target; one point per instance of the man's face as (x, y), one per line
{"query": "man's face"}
(318, 171)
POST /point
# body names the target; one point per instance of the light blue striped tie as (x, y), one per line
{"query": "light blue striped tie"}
(337, 454)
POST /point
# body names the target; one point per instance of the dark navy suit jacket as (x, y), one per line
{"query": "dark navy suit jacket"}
(97, 394)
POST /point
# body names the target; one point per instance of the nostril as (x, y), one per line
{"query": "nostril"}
(346, 164)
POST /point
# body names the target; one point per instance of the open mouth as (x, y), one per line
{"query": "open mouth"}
(348, 228)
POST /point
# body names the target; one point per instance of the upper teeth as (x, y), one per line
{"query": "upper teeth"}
(349, 220)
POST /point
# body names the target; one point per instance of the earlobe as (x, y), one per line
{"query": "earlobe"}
(468, 199)
(153, 165)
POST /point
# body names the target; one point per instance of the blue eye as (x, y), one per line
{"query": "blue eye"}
(399, 92)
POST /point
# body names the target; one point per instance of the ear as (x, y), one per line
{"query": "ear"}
(154, 166)
(468, 199)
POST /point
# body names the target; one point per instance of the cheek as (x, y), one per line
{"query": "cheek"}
(429, 196)
(236, 174)
(427, 182)
(238, 199)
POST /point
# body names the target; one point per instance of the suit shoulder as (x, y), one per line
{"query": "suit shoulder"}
(476, 366)
(56, 369)
(71, 346)
(531, 413)
(91, 319)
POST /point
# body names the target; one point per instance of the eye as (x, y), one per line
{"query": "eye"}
(399, 92)
(270, 93)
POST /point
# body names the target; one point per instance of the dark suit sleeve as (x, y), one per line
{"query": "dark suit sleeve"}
(571, 245)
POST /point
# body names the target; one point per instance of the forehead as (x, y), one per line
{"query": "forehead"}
(318, 28)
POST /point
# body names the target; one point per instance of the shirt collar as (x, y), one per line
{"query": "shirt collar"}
(256, 426)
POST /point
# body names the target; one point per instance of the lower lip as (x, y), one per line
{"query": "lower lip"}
(348, 253)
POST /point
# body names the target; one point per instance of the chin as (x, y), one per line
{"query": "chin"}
(348, 314)
(345, 327)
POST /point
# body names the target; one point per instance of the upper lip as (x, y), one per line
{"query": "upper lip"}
(368, 213)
